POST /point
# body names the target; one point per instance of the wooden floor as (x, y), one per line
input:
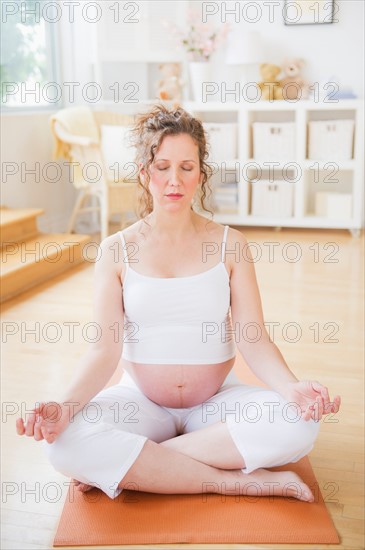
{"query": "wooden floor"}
(321, 293)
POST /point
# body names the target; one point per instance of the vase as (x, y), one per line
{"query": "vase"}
(200, 72)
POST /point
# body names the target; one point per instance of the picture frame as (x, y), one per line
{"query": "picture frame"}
(308, 12)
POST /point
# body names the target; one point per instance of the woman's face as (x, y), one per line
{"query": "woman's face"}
(175, 172)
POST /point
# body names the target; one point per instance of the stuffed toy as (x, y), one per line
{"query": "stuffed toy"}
(294, 86)
(270, 87)
(170, 86)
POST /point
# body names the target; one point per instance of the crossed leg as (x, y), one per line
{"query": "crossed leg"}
(160, 468)
(206, 460)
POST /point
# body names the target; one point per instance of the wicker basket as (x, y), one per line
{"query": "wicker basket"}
(272, 199)
(330, 139)
(222, 138)
(273, 140)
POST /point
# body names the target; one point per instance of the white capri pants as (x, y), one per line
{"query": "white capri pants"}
(104, 439)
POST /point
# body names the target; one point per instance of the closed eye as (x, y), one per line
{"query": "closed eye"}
(185, 169)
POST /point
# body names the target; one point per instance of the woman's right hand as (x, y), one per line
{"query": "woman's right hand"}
(46, 421)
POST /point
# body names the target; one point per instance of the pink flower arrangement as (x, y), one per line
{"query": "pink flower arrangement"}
(200, 40)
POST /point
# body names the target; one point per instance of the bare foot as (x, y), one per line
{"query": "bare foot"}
(82, 487)
(263, 482)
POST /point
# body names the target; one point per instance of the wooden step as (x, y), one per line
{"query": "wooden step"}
(35, 260)
(18, 224)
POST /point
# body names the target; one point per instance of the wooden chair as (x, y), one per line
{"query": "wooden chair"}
(115, 196)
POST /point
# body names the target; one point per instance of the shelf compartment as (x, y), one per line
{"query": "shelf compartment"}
(330, 139)
(333, 206)
(225, 191)
(273, 140)
(274, 199)
(329, 196)
(330, 135)
(271, 134)
(130, 82)
(222, 140)
(273, 193)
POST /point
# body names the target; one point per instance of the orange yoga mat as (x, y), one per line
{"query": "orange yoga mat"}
(147, 518)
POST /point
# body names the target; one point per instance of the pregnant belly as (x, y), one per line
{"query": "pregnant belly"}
(179, 386)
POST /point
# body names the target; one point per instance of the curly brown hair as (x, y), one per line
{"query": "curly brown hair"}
(147, 134)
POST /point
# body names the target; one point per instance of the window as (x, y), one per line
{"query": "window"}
(29, 55)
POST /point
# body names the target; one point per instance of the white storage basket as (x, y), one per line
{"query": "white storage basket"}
(330, 139)
(272, 199)
(222, 139)
(273, 140)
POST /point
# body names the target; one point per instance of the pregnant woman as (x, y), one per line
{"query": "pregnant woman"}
(173, 293)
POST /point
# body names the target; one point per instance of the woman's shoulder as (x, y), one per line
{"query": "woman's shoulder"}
(128, 234)
(216, 229)
(113, 245)
(208, 227)
(235, 235)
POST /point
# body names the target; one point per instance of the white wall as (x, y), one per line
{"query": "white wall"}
(26, 140)
(332, 49)
(335, 49)
(328, 49)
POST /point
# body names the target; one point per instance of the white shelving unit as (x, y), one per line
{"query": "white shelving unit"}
(309, 175)
(130, 43)
(130, 51)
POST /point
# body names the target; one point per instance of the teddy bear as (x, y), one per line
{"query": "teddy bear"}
(170, 86)
(270, 87)
(294, 86)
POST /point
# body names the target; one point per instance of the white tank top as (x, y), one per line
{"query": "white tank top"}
(177, 320)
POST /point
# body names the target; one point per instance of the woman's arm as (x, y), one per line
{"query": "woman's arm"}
(261, 354)
(100, 360)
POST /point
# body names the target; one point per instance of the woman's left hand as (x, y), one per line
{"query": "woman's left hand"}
(312, 398)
